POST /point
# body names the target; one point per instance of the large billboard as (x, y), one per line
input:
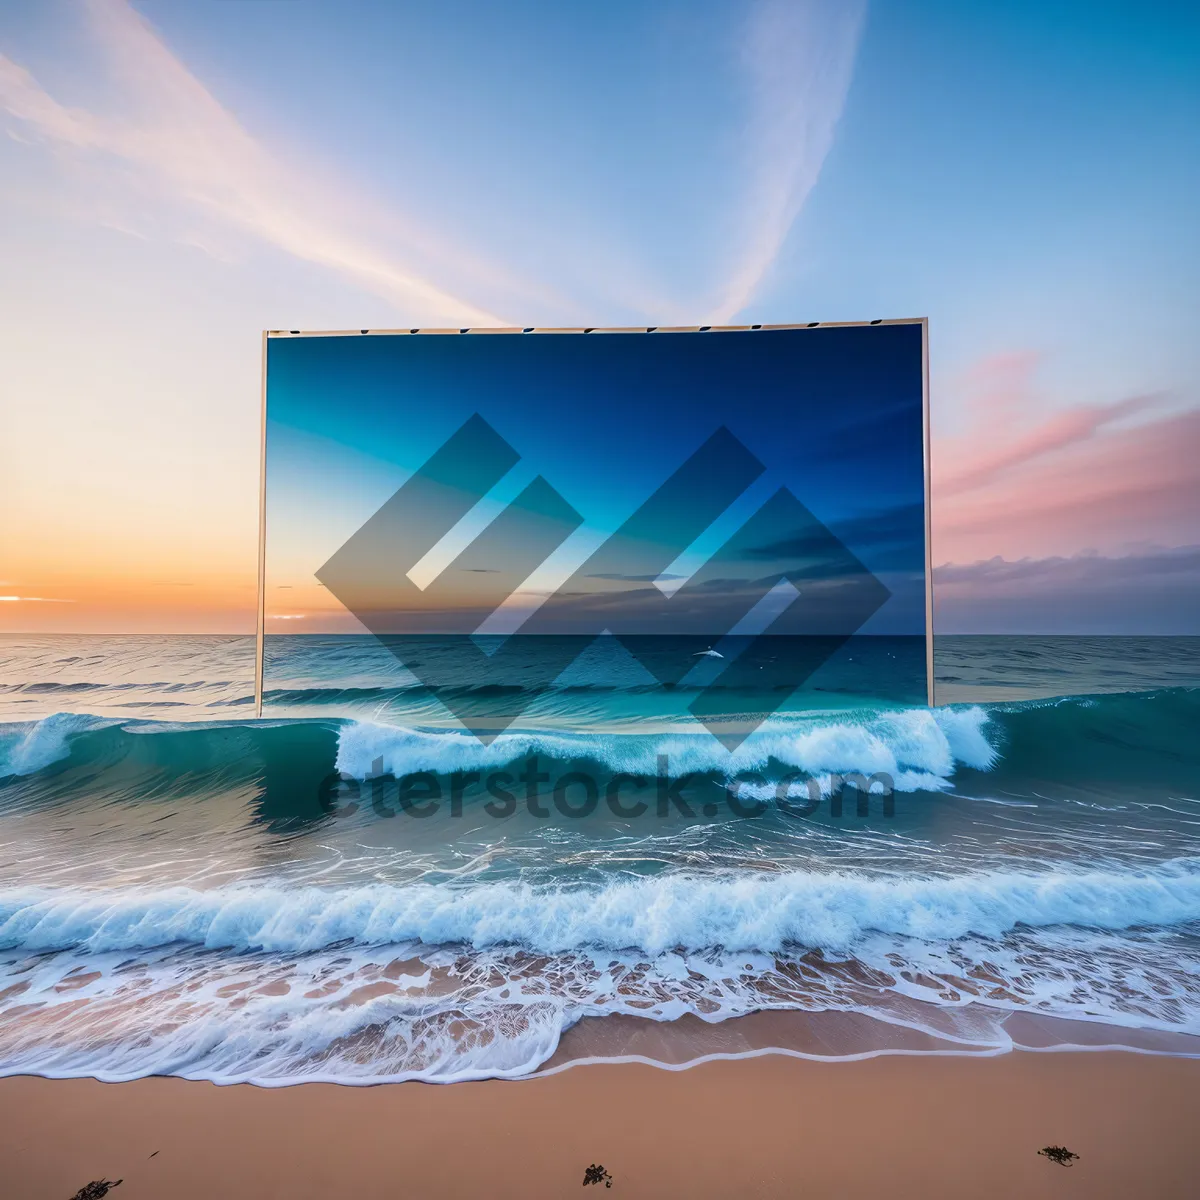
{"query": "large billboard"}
(502, 530)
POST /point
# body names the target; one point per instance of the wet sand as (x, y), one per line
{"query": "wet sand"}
(770, 1126)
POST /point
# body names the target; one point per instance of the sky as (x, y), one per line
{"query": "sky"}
(175, 178)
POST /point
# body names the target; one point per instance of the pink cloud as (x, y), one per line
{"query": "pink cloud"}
(969, 472)
(173, 139)
(1020, 484)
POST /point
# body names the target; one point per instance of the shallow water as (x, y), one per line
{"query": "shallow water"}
(187, 891)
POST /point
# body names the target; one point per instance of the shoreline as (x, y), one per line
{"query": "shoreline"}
(687, 1042)
(767, 1126)
(838, 1036)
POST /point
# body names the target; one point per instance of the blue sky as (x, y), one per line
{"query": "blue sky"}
(178, 177)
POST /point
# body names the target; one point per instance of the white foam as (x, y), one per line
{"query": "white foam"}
(918, 748)
(44, 743)
(751, 912)
(440, 1014)
(964, 732)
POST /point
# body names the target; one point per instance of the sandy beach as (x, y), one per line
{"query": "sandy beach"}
(768, 1126)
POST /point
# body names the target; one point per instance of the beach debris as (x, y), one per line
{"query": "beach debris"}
(96, 1190)
(1059, 1154)
(152, 1155)
(597, 1174)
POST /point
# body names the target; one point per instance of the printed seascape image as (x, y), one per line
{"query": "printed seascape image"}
(594, 725)
(716, 519)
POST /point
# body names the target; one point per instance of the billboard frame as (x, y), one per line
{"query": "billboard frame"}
(484, 330)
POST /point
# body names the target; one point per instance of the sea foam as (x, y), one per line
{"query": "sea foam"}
(918, 748)
(26, 749)
(764, 912)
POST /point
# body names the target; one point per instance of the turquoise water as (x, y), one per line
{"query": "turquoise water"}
(184, 890)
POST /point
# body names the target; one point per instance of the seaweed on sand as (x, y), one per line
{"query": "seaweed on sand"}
(1060, 1155)
(597, 1174)
(96, 1190)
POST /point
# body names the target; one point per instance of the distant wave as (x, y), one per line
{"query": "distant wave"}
(50, 688)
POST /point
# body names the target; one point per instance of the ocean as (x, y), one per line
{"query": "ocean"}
(353, 889)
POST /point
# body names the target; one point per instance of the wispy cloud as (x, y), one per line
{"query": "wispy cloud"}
(1152, 590)
(1080, 569)
(800, 58)
(175, 139)
(160, 142)
(1060, 431)
(33, 600)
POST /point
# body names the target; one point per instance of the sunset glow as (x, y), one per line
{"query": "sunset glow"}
(157, 218)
